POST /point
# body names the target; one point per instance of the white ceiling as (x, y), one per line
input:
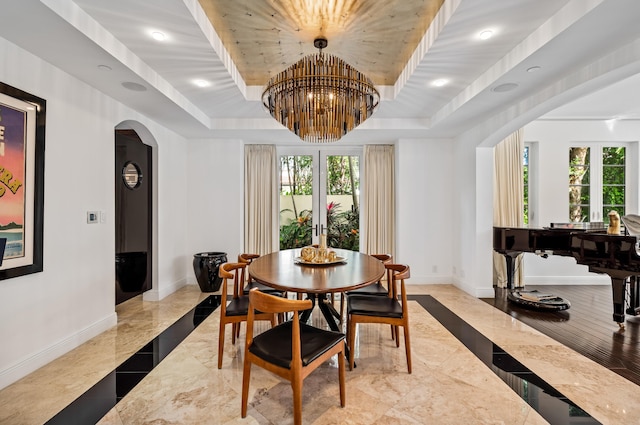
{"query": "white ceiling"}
(581, 47)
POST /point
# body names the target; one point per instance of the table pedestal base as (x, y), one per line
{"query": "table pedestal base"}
(329, 313)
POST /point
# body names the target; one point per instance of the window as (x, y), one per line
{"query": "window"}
(613, 180)
(530, 164)
(579, 184)
(525, 178)
(596, 182)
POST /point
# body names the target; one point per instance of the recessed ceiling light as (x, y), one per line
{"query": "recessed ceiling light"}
(201, 83)
(485, 34)
(157, 35)
(133, 86)
(504, 87)
(440, 82)
(104, 67)
(534, 68)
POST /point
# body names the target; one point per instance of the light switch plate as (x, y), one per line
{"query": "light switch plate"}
(93, 217)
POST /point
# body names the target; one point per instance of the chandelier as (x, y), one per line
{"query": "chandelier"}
(321, 97)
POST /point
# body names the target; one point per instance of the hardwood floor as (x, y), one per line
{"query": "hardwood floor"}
(587, 327)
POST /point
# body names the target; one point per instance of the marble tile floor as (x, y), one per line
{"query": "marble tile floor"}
(449, 384)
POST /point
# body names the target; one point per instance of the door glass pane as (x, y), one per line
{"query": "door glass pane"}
(525, 178)
(343, 202)
(296, 196)
(613, 182)
(579, 186)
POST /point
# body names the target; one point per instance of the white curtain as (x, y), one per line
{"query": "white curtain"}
(508, 200)
(260, 199)
(379, 200)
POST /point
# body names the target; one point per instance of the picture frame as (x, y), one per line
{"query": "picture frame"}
(22, 147)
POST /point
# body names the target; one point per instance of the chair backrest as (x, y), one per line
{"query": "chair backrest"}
(398, 273)
(266, 303)
(246, 258)
(233, 271)
(385, 258)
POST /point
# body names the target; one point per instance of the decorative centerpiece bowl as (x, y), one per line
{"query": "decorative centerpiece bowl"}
(308, 253)
(313, 255)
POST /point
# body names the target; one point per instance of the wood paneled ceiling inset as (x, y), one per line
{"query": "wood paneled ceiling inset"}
(376, 37)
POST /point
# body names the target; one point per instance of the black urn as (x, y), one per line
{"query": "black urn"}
(205, 266)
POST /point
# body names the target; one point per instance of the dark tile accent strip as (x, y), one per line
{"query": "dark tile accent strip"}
(103, 396)
(542, 397)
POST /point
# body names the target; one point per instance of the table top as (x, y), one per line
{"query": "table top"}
(280, 270)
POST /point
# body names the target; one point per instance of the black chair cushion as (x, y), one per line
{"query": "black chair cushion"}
(365, 305)
(375, 289)
(262, 288)
(238, 306)
(274, 345)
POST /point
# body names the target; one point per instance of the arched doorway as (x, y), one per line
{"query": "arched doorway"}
(133, 215)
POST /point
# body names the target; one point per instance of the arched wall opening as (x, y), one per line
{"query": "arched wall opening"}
(148, 139)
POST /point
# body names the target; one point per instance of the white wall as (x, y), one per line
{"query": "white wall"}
(215, 198)
(472, 212)
(553, 139)
(171, 239)
(44, 315)
(425, 224)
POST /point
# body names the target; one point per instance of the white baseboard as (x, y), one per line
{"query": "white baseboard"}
(156, 294)
(481, 292)
(488, 292)
(36, 361)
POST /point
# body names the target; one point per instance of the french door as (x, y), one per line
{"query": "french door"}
(319, 194)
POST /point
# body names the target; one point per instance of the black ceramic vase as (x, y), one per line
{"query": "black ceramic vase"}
(205, 266)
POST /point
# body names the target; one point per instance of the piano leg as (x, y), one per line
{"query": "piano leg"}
(618, 286)
(510, 268)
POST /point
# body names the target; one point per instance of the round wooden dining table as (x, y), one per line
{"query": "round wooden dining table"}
(283, 270)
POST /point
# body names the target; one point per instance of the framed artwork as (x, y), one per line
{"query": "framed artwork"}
(22, 131)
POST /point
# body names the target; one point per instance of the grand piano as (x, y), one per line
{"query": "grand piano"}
(589, 244)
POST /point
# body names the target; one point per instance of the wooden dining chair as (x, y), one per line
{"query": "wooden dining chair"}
(377, 288)
(251, 283)
(391, 310)
(291, 350)
(237, 310)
